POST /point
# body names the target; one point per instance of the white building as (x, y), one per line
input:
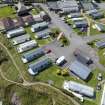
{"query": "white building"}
(79, 88)
(26, 46)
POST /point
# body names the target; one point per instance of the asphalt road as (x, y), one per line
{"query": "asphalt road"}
(76, 41)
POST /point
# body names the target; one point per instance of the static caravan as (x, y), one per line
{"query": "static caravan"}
(74, 15)
(43, 34)
(39, 26)
(79, 88)
(30, 56)
(15, 32)
(35, 68)
(80, 24)
(21, 39)
(77, 19)
(26, 46)
(100, 27)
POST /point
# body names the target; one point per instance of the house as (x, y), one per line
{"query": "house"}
(79, 88)
(100, 27)
(68, 6)
(30, 56)
(28, 20)
(22, 9)
(37, 67)
(8, 23)
(80, 24)
(82, 57)
(37, 18)
(42, 34)
(26, 46)
(97, 15)
(79, 70)
(15, 32)
(21, 39)
(103, 97)
(100, 44)
(39, 26)
(74, 15)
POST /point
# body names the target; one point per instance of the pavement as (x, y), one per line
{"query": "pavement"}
(76, 41)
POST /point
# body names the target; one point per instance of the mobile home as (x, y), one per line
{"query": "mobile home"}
(26, 46)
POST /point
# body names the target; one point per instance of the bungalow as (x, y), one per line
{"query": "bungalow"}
(21, 39)
(39, 26)
(16, 32)
(100, 44)
(100, 27)
(79, 88)
(80, 24)
(43, 34)
(35, 68)
(30, 56)
(79, 70)
(26, 46)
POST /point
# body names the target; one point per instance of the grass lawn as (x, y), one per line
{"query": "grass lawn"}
(102, 57)
(7, 11)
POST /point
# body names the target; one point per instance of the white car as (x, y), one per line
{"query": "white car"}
(60, 60)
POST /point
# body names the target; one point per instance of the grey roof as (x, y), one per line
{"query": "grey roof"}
(16, 32)
(21, 39)
(53, 5)
(39, 66)
(33, 54)
(81, 89)
(75, 15)
(67, 5)
(100, 44)
(80, 70)
(43, 33)
(97, 15)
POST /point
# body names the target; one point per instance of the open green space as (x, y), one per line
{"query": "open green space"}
(7, 11)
